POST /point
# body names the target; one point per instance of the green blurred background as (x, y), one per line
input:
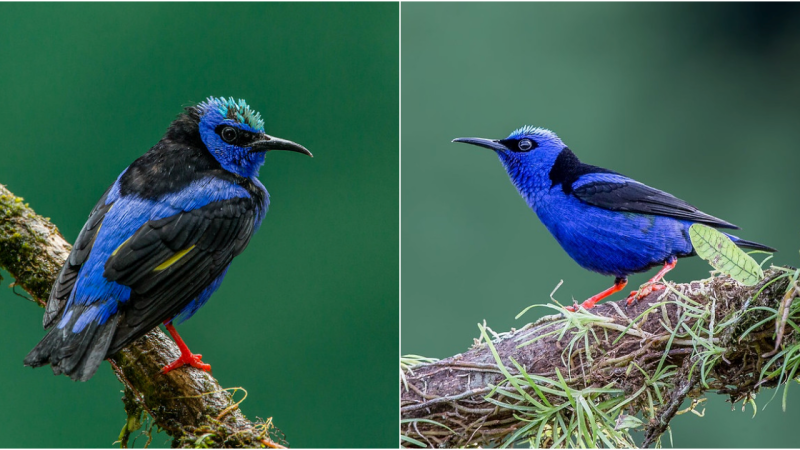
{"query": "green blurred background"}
(701, 100)
(307, 319)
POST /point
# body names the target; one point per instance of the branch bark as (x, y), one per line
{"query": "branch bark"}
(188, 403)
(467, 400)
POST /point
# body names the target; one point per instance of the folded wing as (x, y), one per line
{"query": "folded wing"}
(169, 262)
(80, 253)
(616, 192)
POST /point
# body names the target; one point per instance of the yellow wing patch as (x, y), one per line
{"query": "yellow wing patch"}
(173, 259)
(120, 245)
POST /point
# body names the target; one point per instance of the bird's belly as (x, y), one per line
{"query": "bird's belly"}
(616, 243)
(192, 307)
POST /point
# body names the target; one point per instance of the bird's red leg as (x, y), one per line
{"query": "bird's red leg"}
(652, 286)
(619, 284)
(186, 357)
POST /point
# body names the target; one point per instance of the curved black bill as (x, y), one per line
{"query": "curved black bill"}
(480, 142)
(270, 143)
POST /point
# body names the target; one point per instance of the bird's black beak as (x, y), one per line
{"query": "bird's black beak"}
(493, 144)
(268, 143)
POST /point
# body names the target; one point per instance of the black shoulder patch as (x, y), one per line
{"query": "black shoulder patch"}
(256, 193)
(568, 168)
(168, 167)
(178, 159)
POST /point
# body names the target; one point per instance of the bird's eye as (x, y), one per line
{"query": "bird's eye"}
(525, 145)
(228, 134)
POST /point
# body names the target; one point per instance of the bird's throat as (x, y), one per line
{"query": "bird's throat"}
(245, 164)
(524, 179)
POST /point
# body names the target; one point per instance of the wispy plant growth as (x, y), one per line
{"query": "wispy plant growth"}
(589, 378)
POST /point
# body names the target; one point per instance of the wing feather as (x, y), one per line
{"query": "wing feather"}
(65, 281)
(214, 235)
(618, 193)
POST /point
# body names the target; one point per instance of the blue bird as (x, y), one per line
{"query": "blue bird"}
(161, 238)
(608, 223)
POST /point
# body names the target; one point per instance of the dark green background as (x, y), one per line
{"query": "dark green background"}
(307, 319)
(702, 100)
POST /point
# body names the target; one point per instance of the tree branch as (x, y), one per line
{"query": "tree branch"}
(582, 378)
(188, 403)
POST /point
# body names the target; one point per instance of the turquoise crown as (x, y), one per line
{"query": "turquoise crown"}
(233, 110)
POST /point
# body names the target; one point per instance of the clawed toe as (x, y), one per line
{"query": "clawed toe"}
(645, 290)
(194, 360)
(574, 306)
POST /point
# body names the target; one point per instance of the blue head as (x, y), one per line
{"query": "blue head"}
(527, 154)
(234, 134)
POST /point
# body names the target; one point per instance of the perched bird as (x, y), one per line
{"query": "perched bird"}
(608, 223)
(161, 238)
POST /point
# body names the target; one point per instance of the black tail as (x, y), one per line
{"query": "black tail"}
(78, 355)
(753, 245)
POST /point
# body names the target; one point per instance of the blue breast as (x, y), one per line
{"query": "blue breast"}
(609, 242)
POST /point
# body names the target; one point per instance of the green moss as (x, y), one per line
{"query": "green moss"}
(11, 206)
(21, 252)
(135, 419)
(219, 435)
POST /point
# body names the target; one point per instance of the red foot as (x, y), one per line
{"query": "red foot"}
(193, 360)
(187, 357)
(643, 292)
(652, 285)
(619, 284)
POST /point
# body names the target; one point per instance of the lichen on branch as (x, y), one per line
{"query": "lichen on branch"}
(590, 377)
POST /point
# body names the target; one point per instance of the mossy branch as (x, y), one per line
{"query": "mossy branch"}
(588, 378)
(189, 404)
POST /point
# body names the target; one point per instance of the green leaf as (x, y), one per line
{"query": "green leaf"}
(412, 441)
(720, 251)
(626, 422)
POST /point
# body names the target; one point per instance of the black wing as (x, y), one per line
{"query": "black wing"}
(65, 281)
(619, 193)
(169, 262)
